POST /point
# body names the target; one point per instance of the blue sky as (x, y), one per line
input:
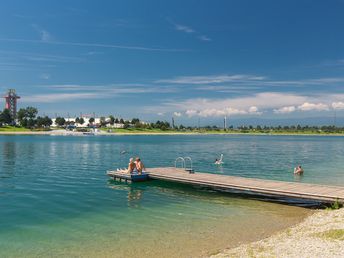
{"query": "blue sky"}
(263, 60)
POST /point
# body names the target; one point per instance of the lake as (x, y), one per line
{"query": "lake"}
(56, 200)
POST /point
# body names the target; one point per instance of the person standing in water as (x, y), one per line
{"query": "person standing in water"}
(298, 170)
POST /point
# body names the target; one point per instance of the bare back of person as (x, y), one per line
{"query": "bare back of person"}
(139, 165)
(131, 166)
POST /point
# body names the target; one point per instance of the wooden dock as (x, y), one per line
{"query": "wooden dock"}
(314, 192)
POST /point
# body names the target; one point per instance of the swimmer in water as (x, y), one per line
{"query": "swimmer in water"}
(219, 161)
(298, 170)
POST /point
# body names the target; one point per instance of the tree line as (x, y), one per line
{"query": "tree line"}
(26, 117)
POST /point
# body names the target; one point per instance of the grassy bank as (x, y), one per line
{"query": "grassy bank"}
(209, 131)
(13, 129)
(17, 130)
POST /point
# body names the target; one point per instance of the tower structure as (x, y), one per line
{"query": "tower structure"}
(11, 102)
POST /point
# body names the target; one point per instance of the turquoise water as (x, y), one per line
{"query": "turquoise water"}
(55, 199)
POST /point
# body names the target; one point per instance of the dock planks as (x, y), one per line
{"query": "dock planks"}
(314, 192)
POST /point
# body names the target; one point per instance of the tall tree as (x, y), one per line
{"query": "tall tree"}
(6, 117)
(31, 112)
(60, 121)
(43, 121)
(81, 121)
(27, 116)
(102, 121)
(112, 120)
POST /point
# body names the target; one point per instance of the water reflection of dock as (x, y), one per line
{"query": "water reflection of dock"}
(134, 196)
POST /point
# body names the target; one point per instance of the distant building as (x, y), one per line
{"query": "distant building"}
(11, 102)
(86, 122)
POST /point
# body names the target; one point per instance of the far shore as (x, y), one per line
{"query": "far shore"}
(168, 132)
(319, 235)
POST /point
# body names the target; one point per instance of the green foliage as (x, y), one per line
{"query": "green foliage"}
(13, 129)
(27, 117)
(163, 125)
(31, 112)
(91, 120)
(81, 120)
(102, 121)
(135, 121)
(5, 117)
(44, 121)
(60, 121)
(112, 120)
(332, 234)
(126, 125)
(335, 206)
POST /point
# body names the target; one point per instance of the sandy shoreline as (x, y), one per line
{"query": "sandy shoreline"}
(319, 235)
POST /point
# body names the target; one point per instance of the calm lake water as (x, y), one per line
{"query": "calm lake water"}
(55, 199)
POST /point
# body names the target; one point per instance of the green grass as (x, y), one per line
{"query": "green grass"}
(210, 131)
(138, 130)
(333, 234)
(187, 131)
(13, 129)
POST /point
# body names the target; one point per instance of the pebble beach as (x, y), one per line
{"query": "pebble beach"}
(319, 235)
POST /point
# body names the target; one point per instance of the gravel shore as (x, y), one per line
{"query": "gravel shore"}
(320, 235)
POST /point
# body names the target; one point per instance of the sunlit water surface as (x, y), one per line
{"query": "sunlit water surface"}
(55, 199)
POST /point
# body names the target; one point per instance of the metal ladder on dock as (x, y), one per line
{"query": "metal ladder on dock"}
(184, 161)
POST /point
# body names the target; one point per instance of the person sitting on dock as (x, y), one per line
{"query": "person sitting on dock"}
(298, 170)
(139, 165)
(131, 166)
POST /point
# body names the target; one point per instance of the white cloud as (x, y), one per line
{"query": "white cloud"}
(204, 38)
(189, 30)
(213, 112)
(265, 100)
(70, 92)
(234, 111)
(254, 110)
(243, 106)
(184, 28)
(180, 27)
(177, 114)
(58, 97)
(246, 80)
(44, 76)
(338, 105)
(160, 114)
(312, 106)
(45, 35)
(285, 110)
(212, 79)
(96, 45)
(190, 112)
(248, 105)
